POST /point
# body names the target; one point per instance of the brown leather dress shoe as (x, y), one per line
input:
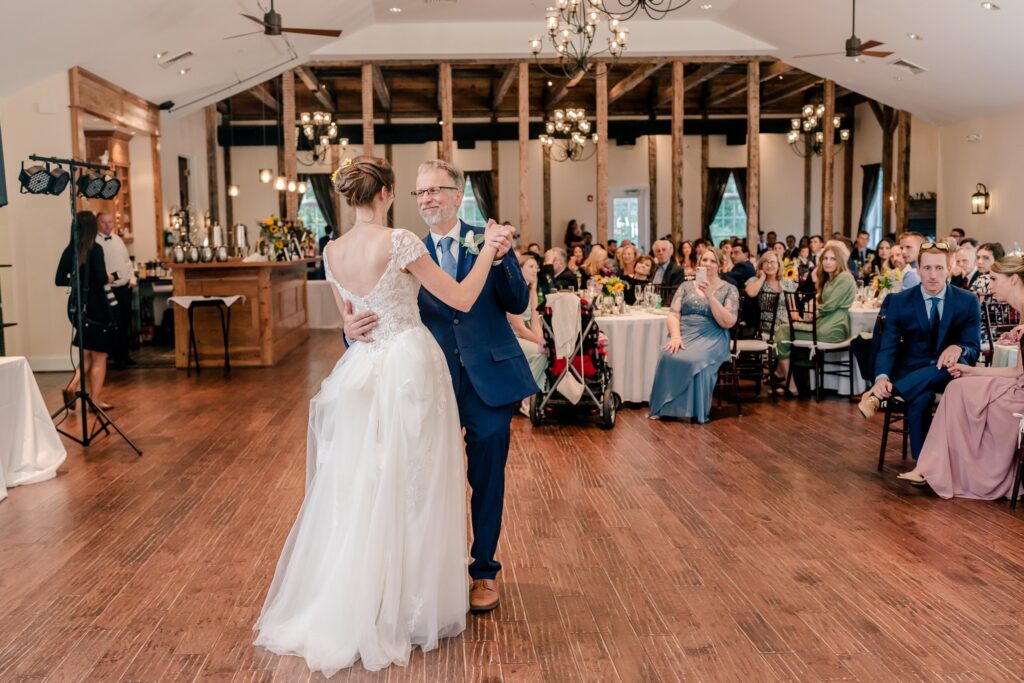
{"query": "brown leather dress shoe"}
(869, 405)
(483, 595)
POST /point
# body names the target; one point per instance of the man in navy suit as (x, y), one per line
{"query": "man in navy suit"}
(929, 328)
(489, 371)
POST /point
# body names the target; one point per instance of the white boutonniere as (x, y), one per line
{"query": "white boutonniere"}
(472, 242)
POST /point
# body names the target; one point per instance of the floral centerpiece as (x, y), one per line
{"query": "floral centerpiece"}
(789, 270)
(611, 285)
(285, 240)
(886, 281)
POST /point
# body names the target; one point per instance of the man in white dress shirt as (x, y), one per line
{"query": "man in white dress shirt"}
(120, 267)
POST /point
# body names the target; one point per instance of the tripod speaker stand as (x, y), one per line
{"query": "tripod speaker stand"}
(103, 421)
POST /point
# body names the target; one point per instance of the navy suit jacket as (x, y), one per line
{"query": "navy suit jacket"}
(906, 341)
(482, 339)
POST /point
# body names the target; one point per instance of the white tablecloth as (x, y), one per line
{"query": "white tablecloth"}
(187, 301)
(634, 347)
(1004, 355)
(30, 450)
(323, 309)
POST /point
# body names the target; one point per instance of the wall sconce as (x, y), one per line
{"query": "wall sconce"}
(980, 200)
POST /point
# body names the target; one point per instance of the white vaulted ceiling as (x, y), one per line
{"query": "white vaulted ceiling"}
(974, 58)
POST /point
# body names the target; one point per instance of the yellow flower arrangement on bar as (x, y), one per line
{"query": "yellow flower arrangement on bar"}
(289, 239)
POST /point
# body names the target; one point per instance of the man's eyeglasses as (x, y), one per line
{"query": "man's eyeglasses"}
(432, 192)
(941, 246)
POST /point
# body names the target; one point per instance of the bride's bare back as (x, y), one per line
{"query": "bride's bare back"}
(359, 258)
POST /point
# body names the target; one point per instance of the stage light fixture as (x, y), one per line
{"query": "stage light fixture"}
(111, 186)
(90, 184)
(34, 179)
(59, 179)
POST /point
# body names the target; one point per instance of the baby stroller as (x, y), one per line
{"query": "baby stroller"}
(577, 364)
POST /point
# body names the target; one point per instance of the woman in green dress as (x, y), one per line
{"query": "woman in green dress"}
(529, 333)
(836, 290)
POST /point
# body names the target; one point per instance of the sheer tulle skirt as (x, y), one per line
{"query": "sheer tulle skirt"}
(376, 561)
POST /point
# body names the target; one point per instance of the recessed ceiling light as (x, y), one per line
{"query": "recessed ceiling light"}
(990, 5)
(780, 77)
(182, 72)
(159, 55)
(706, 5)
(898, 78)
(914, 36)
(550, 84)
(395, 10)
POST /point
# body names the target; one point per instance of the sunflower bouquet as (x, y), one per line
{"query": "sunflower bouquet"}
(611, 285)
(790, 271)
(886, 280)
(286, 240)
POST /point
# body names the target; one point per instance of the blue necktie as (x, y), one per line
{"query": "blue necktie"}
(933, 321)
(448, 262)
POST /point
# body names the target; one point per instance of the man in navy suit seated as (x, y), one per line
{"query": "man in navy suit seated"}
(929, 328)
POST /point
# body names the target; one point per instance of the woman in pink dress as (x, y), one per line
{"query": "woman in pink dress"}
(970, 446)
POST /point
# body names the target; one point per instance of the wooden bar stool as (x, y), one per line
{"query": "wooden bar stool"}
(223, 305)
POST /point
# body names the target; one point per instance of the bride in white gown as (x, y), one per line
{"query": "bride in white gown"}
(376, 560)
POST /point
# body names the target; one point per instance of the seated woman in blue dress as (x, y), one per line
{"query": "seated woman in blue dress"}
(703, 311)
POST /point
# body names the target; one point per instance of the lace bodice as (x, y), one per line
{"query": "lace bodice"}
(689, 302)
(394, 297)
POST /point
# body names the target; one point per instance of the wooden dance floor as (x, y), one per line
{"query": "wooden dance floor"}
(757, 548)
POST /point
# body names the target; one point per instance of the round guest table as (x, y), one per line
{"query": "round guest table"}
(634, 347)
(30, 450)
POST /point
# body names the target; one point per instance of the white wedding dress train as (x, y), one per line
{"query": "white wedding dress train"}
(376, 560)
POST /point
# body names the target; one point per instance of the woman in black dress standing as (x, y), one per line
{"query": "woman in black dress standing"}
(96, 338)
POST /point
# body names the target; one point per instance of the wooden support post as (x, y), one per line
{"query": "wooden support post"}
(546, 161)
(229, 201)
(339, 203)
(290, 132)
(524, 142)
(848, 178)
(213, 178)
(390, 160)
(447, 130)
(652, 181)
(903, 173)
(678, 90)
(807, 194)
(828, 161)
(496, 176)
(367, 96)
(753, 151)
(601, 230)
(158, 206)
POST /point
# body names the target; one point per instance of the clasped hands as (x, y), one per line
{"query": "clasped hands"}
(498, 236)
(948, 359)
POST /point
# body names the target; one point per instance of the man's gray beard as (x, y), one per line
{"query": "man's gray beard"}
(438, 219)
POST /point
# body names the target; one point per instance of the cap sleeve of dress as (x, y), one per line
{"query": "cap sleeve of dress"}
(407, 248)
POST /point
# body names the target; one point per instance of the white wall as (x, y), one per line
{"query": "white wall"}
(140, 154)
(35, 229)
(995, 160)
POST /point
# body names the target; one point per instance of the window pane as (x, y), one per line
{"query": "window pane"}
(626, 219)
(731, 219)
(470, 211)
(309, 213)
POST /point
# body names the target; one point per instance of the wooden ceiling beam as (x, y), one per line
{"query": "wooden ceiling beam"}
(503, 85)
(261, 93)
(705, 73)
(805, 83)
(318, 89)
(380, 88)
(773, 71)
(633, 79)
(563, 89)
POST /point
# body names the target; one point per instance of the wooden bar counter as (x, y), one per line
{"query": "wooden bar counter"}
(264, 328)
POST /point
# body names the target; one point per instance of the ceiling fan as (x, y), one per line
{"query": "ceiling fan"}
(854, 47)
(271, 23)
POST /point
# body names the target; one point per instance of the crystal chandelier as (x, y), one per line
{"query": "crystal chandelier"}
(572, 28)
(320, 129)
(807, 133)
(627, 9)
(567, 132)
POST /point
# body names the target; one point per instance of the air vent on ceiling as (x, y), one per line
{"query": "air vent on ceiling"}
(440, 2)
(171, 61)
(909, 66)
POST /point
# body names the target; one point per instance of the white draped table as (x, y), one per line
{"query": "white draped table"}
(634, 347)
(862, 319)
(30, 450)
(1004, 355)
(323, 309)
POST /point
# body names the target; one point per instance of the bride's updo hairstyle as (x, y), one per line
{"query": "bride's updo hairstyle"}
(359, 180)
